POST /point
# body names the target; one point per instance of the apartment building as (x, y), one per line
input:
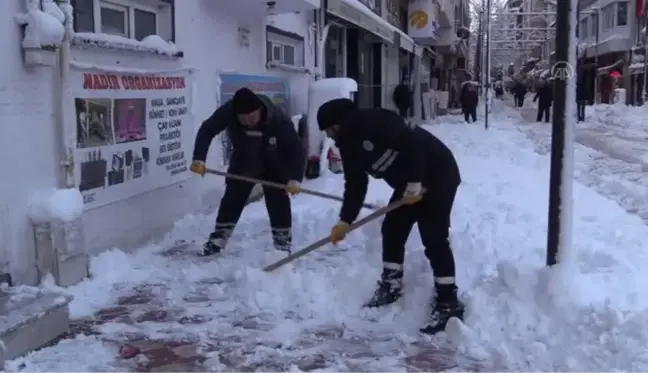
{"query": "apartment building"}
(610, 34)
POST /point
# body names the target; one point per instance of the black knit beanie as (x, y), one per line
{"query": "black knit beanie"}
(332, 112)
(245, 101)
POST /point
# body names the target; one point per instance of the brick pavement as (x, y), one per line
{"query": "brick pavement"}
(235, 347)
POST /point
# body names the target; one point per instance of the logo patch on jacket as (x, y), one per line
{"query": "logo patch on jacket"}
(272, 141)
(367, 145)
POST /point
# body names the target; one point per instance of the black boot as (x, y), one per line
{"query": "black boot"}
(390, 288)
(445, 307)
(214, 245)
(282, 239)
(313, 168)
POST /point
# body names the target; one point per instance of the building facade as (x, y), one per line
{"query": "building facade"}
(105, 97)
(443, 28)
(115, 114)
(612, 43)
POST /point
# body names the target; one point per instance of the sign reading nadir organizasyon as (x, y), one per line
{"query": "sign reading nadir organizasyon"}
(134, 133)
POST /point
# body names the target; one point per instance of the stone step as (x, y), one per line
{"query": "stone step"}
(30, 317)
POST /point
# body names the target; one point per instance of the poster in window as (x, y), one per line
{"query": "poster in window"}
(275, 88)
(134, 133)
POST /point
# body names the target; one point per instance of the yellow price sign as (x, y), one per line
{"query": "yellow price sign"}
(419, 19)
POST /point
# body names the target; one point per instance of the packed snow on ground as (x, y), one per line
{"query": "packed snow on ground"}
(518, 317)
(611, 153)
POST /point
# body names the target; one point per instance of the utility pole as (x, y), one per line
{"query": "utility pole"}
(596, 52)
(559, 235)
(488, 63)
(645, 72)
(478, 49)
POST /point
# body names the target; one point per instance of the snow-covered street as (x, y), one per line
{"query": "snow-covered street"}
(611, 151)
(224, 314)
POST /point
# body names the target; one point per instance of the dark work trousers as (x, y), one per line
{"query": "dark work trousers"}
(519, 100)
(543, 111)
(403, 112)
(470, 113)
(580, 107)
(432, 214)
(231, 207)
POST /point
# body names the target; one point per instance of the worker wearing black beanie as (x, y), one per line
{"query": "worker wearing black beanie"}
(245, 101)
(332, 114)
(425, 177)
(264, 145)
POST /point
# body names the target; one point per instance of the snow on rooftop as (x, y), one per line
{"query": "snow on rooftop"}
(151, 43)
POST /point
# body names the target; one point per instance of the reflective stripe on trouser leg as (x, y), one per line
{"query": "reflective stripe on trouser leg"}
(222, 233)
(282, 238)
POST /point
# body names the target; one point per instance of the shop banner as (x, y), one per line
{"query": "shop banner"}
(423, 19)
(134, 133)
(276, 88)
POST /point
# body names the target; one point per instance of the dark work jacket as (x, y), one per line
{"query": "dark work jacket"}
(273, 146)
(519, 90)
(544, 95)
(402, 96)
(469, 98)
(379, 143)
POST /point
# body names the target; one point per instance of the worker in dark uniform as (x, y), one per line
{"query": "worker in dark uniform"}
(265, 146)
(544, 96)
(378, 142)
(403, 98)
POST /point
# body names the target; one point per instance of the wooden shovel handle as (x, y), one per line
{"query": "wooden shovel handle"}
(283, 186)
(316, 245)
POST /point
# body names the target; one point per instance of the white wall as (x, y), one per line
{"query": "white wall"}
(207, 34)
(302, 24)
(29, 146)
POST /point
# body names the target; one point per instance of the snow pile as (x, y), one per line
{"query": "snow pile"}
(151, 43)
(620, 116)
(312, 307)
(64, 205)
(43, 28)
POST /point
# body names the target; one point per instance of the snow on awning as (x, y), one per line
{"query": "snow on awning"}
(606, 69)
(357, 13)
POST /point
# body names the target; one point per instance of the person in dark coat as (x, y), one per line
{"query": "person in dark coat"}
(499, 91)
(265, 146)
(581, 100)
(403, 98)
(423, 172)
(469, 100)
(544, 96)
(519, 91)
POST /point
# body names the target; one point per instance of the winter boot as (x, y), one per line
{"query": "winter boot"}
(390, 288)
(282, 239)
(446, 306)
(214, 245)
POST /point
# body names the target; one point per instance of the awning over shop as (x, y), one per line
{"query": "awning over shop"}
(357, 13)
(264, 8)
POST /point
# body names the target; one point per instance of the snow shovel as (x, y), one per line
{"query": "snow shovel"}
(316, 245)
(283, 186)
